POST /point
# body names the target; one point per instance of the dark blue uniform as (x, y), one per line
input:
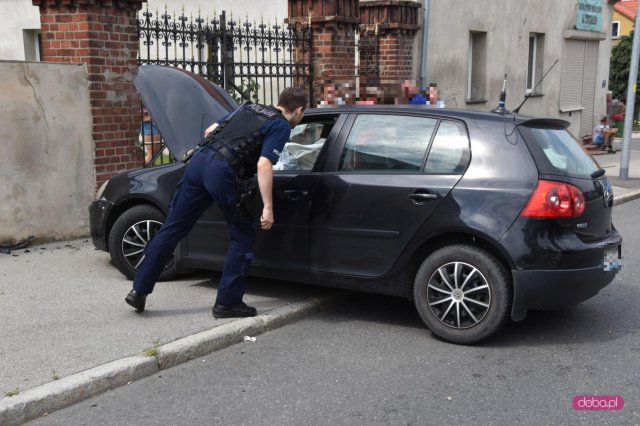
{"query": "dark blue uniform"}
(210, 177)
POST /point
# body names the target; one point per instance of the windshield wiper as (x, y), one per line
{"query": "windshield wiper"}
(597, 173)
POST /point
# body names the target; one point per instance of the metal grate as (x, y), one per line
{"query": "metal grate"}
(250, 60)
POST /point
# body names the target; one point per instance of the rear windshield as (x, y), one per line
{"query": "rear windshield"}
(557, 153)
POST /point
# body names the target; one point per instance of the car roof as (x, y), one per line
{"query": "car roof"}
(433, 110)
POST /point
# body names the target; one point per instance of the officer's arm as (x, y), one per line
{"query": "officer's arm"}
(265, 182)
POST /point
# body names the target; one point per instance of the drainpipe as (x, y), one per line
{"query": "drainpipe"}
(424, 44)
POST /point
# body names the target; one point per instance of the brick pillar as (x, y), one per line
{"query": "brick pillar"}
(103, 35)
(395, 22)
(333, 23)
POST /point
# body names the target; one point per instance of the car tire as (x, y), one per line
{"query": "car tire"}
(459, 311)
(129, 236)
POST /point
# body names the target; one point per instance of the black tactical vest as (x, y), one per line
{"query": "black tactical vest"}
(240, 133)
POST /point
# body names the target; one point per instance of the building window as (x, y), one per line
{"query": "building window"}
(535, 61)
(32, 45)
(477, 66)
(615, 29)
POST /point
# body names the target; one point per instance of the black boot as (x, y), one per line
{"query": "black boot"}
(136, 300)
(234, 311)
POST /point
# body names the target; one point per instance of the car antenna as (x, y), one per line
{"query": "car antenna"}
(503, 97)
(517, 110)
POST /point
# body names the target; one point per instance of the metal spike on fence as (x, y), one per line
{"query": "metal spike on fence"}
(157, 41)
(191, 42)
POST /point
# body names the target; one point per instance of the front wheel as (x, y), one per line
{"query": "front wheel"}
(463, 294)
(130, 234)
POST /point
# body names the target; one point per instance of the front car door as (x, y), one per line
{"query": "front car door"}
(386, 175)
(295, 179)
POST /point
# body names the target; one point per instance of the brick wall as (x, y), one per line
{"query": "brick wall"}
(395, 22)
(333, 24)
(102, 34)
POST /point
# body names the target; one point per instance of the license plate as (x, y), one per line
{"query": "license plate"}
(613, 259)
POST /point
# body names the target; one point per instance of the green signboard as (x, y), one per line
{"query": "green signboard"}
(589, 15)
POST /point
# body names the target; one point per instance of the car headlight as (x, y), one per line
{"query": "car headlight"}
(101, 190)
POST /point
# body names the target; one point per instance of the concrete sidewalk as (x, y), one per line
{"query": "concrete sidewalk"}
(67, 333)
(623, 190)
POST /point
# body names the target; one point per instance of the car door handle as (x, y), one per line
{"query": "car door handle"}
(296, 194)
(417, 198)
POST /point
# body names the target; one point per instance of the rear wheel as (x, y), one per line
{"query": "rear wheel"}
(130, 234)
(463, 294)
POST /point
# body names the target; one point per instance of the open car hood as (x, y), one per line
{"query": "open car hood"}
(182, 104)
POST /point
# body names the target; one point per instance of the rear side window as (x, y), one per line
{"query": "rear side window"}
(387, 142)
(558, 153)
(449, 153)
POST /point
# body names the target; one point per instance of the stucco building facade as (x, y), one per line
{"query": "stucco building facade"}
(470, 49)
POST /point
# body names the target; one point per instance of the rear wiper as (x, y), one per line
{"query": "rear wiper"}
(597, 173)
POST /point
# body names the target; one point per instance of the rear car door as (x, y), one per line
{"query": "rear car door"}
(386, 175)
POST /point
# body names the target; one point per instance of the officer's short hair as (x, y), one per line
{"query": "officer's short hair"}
(292, 98)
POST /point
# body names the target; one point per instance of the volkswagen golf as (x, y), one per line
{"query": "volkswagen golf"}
(476, 217)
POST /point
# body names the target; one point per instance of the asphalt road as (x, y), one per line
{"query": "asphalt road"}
(373, 362)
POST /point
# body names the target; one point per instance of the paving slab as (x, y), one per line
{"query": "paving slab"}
(63, 314)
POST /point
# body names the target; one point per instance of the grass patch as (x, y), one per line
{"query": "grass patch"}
(54, 375)
(153, 350)
(14, 392)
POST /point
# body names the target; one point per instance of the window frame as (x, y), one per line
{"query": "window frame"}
(467, 154)
(339, 143)
(477, 67)
(339, 120)
(350, 126)
(32, 44)
(615, 24)
(535, 63)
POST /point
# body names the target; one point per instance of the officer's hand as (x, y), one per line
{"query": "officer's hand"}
(266, 220)
(210, 129)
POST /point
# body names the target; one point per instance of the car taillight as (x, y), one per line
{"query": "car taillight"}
(554, 199)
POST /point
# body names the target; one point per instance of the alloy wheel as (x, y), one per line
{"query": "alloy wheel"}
(136, 238)
(458, 295)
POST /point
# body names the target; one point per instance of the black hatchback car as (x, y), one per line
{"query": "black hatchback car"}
(476, 217)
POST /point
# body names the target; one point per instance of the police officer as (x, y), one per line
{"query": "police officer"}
(246, 142)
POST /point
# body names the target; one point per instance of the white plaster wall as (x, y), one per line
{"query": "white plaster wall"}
(16, 15)
(46, 166)
(241, 9)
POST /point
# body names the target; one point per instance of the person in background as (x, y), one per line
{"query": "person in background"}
(602, 135)
(149, 137)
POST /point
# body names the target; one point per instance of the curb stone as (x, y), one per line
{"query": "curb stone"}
(626, 197)
(41, 400)
(208, 341)
(68, 390)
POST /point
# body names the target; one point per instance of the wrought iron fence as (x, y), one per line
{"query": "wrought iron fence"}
(250, 60)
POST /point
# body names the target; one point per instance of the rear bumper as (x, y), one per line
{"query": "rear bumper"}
(557, 289)
(98, 214)
(551, 290)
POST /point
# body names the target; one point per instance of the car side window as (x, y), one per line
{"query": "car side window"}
(387, 142)
(304, 145)
(449, 152)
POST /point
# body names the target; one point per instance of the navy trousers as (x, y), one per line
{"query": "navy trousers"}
(206, 180)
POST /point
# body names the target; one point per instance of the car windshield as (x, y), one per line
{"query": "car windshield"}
(561, 153)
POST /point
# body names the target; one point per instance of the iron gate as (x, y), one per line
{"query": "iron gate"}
(250, 60)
